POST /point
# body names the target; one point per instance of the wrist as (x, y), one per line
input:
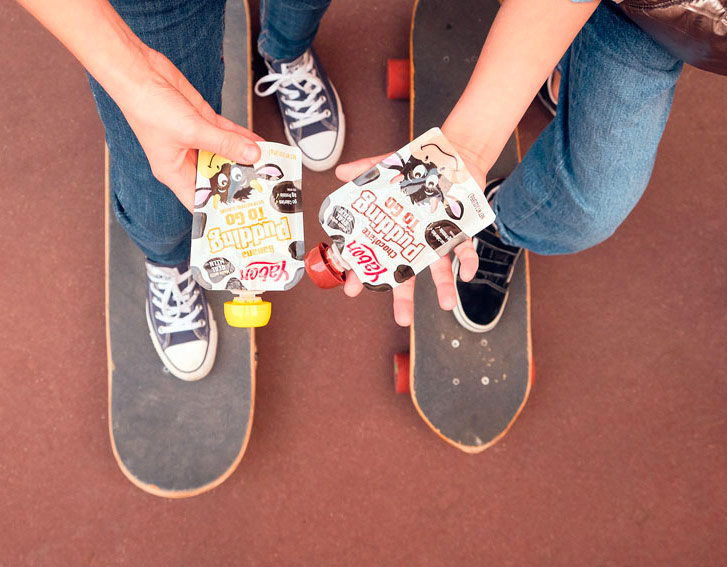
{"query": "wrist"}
(124, 69)
(473, 144)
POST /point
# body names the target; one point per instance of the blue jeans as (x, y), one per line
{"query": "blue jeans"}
(287, 27)
(589, 167)
(190, 34)
(577, 183)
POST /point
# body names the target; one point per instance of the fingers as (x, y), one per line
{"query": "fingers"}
(348, 171)
(403, 294)
(468, 260)
(353, 285)
(403, 297)
(227, 124)
(443, 278)
(237, 145)
(193, 96)
(404, 302)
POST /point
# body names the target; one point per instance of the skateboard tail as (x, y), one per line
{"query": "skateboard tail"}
(480, 445)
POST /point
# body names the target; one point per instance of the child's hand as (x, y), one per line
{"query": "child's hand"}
(172, 121)
(441, 269)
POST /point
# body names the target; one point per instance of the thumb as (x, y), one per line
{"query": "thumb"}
(349, 171)
(227, 143)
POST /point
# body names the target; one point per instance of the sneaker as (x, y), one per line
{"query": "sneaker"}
(180, 321)
(312, 114)
(481, 301)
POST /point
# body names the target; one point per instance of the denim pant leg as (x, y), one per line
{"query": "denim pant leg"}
(287, 27)
(589, 167)
(190, 35)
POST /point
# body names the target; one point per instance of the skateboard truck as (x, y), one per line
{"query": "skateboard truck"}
(325, 266)
(247, 310)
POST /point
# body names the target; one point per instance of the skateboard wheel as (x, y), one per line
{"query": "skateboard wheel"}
(398, 79)
(247, 312)
(401, 372)
(320, 269)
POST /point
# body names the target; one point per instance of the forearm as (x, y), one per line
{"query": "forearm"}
(97, 36)
(526, 41)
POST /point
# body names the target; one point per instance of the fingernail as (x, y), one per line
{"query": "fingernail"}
(251, 154)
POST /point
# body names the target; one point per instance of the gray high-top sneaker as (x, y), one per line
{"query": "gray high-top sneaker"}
(311, 110)
(180, 321)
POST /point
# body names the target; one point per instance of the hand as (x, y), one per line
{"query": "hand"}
(172, 122)
(441, 270)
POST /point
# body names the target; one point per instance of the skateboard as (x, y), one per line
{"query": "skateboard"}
(173, 438)
(468, 387)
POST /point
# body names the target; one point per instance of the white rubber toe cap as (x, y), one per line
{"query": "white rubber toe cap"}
(323, 150)
(318, 146)
(187, 357)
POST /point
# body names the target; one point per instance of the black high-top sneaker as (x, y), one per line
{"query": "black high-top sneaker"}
(481, 301)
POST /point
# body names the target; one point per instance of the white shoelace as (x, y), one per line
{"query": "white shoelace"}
(174, 305)
(303, 111)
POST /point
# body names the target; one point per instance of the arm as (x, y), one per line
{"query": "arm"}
(169, 117)
(526, 41)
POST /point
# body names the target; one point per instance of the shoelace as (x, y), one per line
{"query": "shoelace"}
(294, 85)
(497, 260)
(174, 303)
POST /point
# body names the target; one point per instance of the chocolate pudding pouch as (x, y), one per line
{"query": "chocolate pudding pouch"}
(406, 212)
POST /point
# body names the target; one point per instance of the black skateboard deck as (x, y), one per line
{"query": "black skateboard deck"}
(468, 387)
(174, 438)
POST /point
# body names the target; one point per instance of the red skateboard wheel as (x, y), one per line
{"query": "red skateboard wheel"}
(398, 79)
(320, 269)
(401, 372)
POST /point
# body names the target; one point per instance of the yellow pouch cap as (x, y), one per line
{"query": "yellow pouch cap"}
(247, 312)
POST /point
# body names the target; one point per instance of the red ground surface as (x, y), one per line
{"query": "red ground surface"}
(618, 458)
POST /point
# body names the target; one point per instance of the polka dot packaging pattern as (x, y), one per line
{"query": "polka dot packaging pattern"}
(398, 217)
(247, 229)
